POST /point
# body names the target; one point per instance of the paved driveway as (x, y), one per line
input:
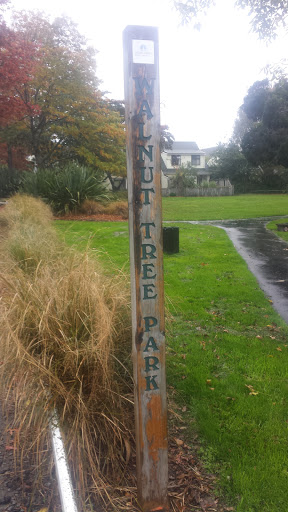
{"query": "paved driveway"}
(266, 256)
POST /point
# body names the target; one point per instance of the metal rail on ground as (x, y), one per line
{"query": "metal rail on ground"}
(66, 491)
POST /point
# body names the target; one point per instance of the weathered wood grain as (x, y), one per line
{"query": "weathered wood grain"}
(142, 106)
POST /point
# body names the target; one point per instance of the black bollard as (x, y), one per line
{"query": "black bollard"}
(171, 240)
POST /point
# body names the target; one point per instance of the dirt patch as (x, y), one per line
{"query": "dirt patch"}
(21, 488)
(190, 487)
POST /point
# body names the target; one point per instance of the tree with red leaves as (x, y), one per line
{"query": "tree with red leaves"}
(54, 109)
(16, 67)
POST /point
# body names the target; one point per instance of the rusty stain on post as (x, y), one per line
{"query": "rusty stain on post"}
(142, 107)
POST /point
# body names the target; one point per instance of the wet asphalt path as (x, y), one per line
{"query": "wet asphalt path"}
(265, 254)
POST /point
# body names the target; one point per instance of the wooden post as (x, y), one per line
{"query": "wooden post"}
(142, 107)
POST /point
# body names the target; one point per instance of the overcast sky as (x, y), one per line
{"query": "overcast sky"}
(204, 75)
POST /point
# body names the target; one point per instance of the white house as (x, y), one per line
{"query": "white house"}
(181, 154)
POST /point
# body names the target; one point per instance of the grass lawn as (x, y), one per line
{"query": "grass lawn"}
(109, 240)
(227, 356)
(273, 226)
(231, 207)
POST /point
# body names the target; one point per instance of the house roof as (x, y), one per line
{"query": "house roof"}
(184, 148)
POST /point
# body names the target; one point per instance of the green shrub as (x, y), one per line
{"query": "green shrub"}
(65, 189)
(184, 177)
(38, 184)
(119, 195)
(212, 184)
(9, 181)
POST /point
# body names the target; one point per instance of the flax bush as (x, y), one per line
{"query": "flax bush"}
(65, 189)
(65, 345)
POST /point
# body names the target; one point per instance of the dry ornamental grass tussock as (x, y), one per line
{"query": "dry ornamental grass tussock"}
(119, 208)
(66, 345)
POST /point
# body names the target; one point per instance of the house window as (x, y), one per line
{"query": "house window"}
(175, 160)
(195, 159)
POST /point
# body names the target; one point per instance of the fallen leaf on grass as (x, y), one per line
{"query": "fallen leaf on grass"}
(252, 390)
(259, 337)
(279, 349)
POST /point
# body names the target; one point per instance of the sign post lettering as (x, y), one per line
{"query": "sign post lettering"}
(142, 107)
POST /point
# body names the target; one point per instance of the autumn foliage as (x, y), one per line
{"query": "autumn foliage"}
(51, 106)
(16, 67)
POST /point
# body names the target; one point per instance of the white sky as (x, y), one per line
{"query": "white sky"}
(204, 75)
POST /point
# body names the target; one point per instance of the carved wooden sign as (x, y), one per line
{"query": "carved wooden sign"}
(142, 106)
